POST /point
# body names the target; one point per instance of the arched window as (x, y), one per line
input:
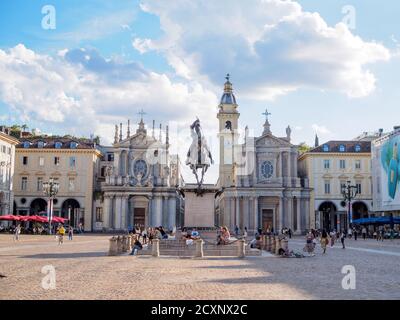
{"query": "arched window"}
(58, 145)
(41, 144)
(325, 148)
(342, 148)
(358, 148)
(27, 144)
(73, 145)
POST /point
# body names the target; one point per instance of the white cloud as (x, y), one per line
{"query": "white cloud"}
(320, 129)
(271, 47)
(83, 93)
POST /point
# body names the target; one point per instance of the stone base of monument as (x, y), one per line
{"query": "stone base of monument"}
(199, 206)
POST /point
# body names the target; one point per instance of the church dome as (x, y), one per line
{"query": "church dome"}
(228, 97)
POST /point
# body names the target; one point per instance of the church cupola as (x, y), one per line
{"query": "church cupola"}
(141, 127)
(228, 97)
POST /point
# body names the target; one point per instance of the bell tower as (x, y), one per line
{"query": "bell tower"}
(228, 117)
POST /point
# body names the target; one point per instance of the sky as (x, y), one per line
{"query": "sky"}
(328, 67)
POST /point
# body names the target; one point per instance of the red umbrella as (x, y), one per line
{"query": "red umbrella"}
(10, 217)
(24, 218)
(59, 219)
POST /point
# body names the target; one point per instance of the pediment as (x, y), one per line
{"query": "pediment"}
(270, 140)
(138, 140)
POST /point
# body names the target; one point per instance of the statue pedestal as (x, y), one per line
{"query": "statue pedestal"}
(199, 208)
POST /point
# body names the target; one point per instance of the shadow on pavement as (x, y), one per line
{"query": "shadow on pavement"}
(74, 255)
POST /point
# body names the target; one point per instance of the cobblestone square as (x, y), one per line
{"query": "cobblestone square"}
(84, 271)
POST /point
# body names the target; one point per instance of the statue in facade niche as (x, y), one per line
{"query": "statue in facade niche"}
(199, 155)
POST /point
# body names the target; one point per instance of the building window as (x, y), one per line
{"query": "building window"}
(327, 187)
(41, 161)
(325, 148)
(71, 184)
(342, 186)
(358, 164)
(110, 156)
(26, 144)
(358, 185)
(72, 162)
(24, 183)
(3, 149)
(342, 164)
(99, 214)
(342, 148)
(358, 148)
(39, 184)
(378, 185)
(103, 172)
(40, 144)
(58, 145)
(25, 161)
(57, 161)
(326, 164)
(73, 145)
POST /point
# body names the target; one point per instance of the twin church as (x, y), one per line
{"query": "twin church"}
(258, 184)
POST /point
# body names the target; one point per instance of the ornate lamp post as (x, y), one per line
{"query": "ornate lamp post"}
(349, 192)
(50, 189)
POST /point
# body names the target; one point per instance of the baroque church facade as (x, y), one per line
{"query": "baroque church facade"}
(258, 179)
(138, 182)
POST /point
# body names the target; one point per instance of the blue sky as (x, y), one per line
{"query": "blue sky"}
(171, 57)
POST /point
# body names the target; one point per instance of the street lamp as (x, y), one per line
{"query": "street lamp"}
(349, 192)
(50, 189)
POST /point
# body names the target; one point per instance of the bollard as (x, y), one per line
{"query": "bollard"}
(241, 248)
(113, 250)
(155, 248)
(119, 245)
(124, 246)
(277, 245)
(272, 249)
(129, 242)
(268, 248)
(263, 242)
(199, 249)
(285, 244)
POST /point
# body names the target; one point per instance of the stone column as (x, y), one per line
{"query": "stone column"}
(155, 248)
(307, 213)
(118, 213)
(288, 165)
(107, 211)
(298, 227)
(165, 211)
(280, 220)
(290, 213)
(237, 212)
(255, 203)
(158, 211)
(199, 253)
(246, 217)
(119, 244)
(232, 214)
(124, 212)
(113, 249)
(277, 245)
(241, 248)
(150, 218)
(171, 213)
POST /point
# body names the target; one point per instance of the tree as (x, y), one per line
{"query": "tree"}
(303, 147)
(24, 127)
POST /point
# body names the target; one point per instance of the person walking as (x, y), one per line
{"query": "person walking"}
(290, 233)
(309, 247)
(364, 233)
(333, 237)
(245, 233)
(60, 234)
(324, 240)
(144, 236)
(342, 237)
(17, 232)
(236, 231)
(355, 233)
(70, 233)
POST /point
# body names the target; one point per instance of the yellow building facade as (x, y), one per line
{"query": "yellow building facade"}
(328, 167)
(72, 163)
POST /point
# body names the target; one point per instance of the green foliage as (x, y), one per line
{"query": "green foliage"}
(303, 147)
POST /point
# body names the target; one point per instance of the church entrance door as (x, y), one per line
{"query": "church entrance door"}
(139, 217)
(267, 219)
